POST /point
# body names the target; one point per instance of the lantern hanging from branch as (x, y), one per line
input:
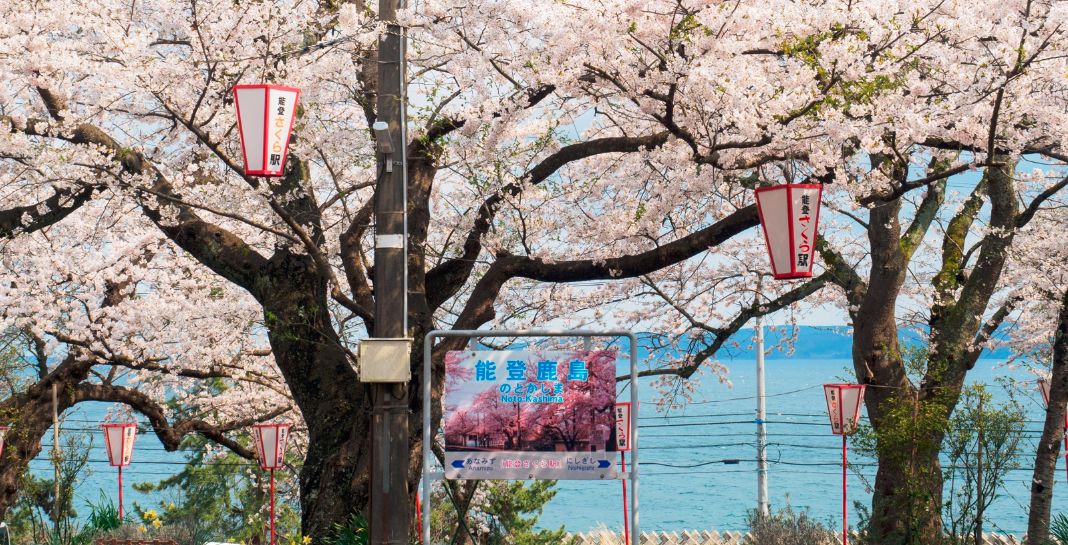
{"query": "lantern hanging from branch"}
(789, 216)
(843, 408)
(1043, 388)
(269, 442)
(265, 116)
(119, 441)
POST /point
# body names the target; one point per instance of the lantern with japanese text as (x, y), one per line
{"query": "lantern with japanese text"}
(119, 441)
(789, 216)
(269, 442)
(843, 408)
(1043, 388)
(265, 116)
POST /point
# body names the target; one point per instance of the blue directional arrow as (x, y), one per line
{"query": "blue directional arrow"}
(602, 464)
(458, 464)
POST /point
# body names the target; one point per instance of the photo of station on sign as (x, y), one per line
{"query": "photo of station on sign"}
(530, 415)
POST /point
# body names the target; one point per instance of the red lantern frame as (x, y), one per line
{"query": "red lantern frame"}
(125, 451)
(281, 438)
(267, 89)
(835, 390)
(843, 428)
(764, 210)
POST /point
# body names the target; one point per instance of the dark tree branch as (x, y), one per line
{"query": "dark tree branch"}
(1025, 217)
(916, 184)
(926, 212)
(723, 334)
(63, 202)
(987, 331)
(217, 248)
(170, 435)
(446, 279)
(842, 273)
(479, 308)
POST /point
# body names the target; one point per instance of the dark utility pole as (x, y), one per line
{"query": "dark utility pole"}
(389, 420)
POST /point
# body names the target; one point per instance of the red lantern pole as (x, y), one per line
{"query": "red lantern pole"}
(843, 408)
(119, 440)
(272, 507)
(845, 511)
(626, 520)
(269, 442)
(419, 514)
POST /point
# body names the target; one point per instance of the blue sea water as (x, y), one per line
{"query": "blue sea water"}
(684, 483)
(805, 458)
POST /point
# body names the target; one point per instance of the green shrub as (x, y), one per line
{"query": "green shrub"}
(1058, 528)
(352, 533)
(103, 516)
(787, 527)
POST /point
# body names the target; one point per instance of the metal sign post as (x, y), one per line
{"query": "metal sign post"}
(428, 346)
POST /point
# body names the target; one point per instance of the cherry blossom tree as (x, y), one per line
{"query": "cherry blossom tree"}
(143, 324)
(563, 158)
(937, 261)
(1038, 277)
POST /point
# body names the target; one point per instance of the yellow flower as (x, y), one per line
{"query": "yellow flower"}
(157, 523)
(306, 540)
(142, 528)
(170, 505)
(150, 515)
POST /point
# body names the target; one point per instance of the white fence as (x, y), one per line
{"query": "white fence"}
(695, 537)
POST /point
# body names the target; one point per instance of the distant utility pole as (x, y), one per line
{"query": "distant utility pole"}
(762, 434)
(389, 419)
(55, 453)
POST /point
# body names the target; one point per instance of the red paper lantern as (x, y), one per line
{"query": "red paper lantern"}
(265, 116)
(843, 406)
(1043, 387)
(119, 440)
(269, 441)
(790, 216)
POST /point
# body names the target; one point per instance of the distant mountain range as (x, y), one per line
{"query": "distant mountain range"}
(814, 342)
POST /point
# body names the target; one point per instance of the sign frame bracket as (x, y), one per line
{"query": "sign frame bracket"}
(586, 335)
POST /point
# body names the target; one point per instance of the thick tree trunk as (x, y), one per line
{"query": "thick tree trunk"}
(909, 420)
(334, 481)
(1049, 446)
(907, 500)
(902, 499)
(29, 420)
(29, 415)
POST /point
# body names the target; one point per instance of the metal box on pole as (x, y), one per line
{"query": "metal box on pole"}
(385, 360)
